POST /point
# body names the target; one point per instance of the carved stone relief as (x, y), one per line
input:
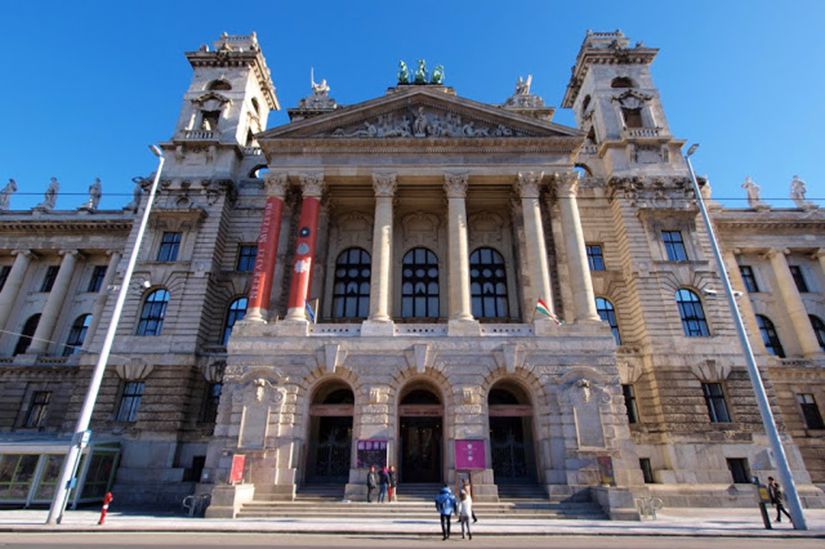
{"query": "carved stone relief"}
(419, 229)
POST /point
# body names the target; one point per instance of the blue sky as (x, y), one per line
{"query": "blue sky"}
(87, 85)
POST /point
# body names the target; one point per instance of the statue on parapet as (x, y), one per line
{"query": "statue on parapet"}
(50, 196)
(753, 194)
(421, 73)
(137, 191)
(319, 89)
(523, 86)
(95, 192)
(798, 191)
(403, 73)
(5, 194)
(438, 75)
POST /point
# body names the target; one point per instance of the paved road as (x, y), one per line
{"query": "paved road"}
(66, 540)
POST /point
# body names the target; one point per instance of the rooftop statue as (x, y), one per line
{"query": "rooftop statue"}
(321, 89)
(137, 191)
(421, 72)
(50, 196)
(438, 75)
(5, 194)
(523, 86)
(753, 194)
(403, 73)
(798, 191)
(95, 192)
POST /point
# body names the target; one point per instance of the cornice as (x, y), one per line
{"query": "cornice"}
(236, 58)
(22, 222)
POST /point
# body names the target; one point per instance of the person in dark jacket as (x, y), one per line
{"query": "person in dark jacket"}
(777, 498)
(383, 484)
(372, 482)
(445, 504)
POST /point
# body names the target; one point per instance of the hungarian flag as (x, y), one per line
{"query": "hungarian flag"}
(543, 309)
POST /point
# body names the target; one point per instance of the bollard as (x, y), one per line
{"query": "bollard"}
(107, 499)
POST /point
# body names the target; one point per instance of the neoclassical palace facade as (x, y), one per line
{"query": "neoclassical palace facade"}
(370, 284)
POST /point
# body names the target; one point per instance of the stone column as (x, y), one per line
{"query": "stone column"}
(14, 282)
(529, 188)
(743, 301)
(460, 307)
(260, 289)
(584, 301)
(793, 303)
(312, 187)
(57, 298)
(819, 255)
(100, 301)
(380, 322)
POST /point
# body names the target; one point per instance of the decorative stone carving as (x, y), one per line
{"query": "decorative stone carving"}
(469, 396)
(135, 369)
(276, 184)
(213, 371)
(384, 184)
(522, 98)
(353, 228)
(509, 357)
(629, 372)
(331, 356)
(567, 184)
(587, 398)
(632, 99)
(50, 197)
(486, 227)
(95, 192)
(258, 398)
(529, 184)
(666, 193)
(455, 184)
(420, 228)
(425, 122)
(711, 371)
(378, 394)
(420, 357)
(5, 194)
(312, 184)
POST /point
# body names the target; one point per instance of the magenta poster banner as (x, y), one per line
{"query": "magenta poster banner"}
(469, 455)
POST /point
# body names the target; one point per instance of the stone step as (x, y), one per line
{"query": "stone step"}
(547, 515)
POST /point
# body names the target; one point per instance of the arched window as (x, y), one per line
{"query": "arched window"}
(769, 336)
(153, 312)
(419, 284)
(819, 329)
(26, 335)
(488, 284)
(219, 85)
(351, 289)
(237, 310)
(693, 316)
(77, 335)
(607, 313)
(622, 82)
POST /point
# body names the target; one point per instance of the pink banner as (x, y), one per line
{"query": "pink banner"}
(469, 455)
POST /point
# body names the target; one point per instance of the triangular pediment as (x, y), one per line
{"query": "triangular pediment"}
(420, 112)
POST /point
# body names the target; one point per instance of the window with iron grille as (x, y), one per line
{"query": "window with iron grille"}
(715, 401)
(674, 245)
(692, 314)
(236, 312)
(488, 284)
(419, 284)
(748, 278)
(810, 411)
(129, 401)
(629, 393)
(798, 278)
(153, 313)
(169, 247)
(38, 407)
(594, 257)
(819, 329)
(4, 274)
(247, 253)
(351, 287)
(77, 335)
(608, 314)
(739, 470)
(51, 276)
(769, 336)
(98, 274)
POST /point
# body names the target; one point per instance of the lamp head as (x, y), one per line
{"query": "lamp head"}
(156, 151)
(692, 149)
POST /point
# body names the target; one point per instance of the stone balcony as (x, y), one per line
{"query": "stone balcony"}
(642, 133)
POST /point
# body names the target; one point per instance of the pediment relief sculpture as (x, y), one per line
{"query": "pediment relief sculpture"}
(659, 193)
(632, 99)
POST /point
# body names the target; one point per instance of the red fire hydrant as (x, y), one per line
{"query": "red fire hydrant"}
(107, 499)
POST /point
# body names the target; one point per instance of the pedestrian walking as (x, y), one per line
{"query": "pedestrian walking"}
(467, 487)
(372, 482)
(465, 511)
(383, 484)
(445, 505)
(777, 498)
(392, 476)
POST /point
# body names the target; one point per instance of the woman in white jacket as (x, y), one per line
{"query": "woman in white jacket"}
(465, 511)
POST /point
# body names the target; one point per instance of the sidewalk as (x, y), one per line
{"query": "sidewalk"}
(670, 522)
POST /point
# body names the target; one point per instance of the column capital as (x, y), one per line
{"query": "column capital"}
(529, 184)
(774, 252)
(567, 183)
(68, 253)
(384, 184)
(819, 253)
(24, 252)
(455, 184)
(312, 184)
(276, 184)
(113, 252)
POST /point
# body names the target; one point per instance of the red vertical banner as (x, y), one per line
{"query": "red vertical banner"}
(261, 287)
(236, 473)
(304, 255)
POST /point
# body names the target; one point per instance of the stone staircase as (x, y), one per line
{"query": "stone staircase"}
(415, 502)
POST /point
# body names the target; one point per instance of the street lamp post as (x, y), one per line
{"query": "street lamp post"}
(784, 470)
(82, 433)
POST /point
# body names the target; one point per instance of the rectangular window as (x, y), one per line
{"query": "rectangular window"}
(647, 470)
(674, 245)
(4, 274)
(169, 246)
(37, 409)
(209, 411)
(594, 257)
(632, 118)
(810, 411)
(739, 470)
(130, 401)
(748, 278)
(98, 274)
(246, 258)
(630, 403)
(715, 401)
(796, 272)
(48, 280)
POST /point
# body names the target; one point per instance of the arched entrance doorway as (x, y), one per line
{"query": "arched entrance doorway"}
(511, 434)
(420, 414)
(330, 434)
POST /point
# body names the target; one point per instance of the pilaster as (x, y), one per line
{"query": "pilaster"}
(48, 318)
(793, 302)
